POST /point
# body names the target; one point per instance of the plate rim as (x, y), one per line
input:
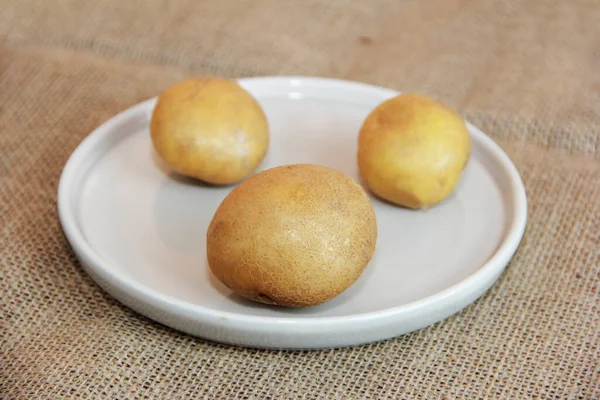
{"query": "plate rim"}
(495, 265)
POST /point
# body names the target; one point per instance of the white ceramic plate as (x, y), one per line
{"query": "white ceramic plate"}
(139, 230)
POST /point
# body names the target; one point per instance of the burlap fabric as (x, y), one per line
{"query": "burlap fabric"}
(526, 72)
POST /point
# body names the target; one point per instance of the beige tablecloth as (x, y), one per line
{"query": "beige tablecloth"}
(526, 72)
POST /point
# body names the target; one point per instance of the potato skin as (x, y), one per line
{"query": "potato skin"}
(210, 129)
(295, 235)
(412, 150)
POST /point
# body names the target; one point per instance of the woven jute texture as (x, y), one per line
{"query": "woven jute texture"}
(527, 73)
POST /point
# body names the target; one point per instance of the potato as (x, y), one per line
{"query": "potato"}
(412, 150)
(296, 235)
(210, 129)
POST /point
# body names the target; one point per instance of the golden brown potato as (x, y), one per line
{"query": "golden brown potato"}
(210, 129)
(296, 235)
(412, 150)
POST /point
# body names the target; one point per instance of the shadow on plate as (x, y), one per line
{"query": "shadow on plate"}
(185, 180)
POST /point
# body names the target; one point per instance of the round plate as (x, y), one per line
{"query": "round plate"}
(139, 230)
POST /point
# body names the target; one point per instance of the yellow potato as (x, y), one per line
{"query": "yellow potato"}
(412, 150)
(296, 235)
(210, 129)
